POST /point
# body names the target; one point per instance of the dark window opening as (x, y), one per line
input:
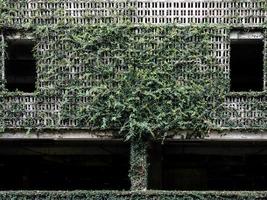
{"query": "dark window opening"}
(20, 66)
(246, 65)
(210, 166)
(64, 166)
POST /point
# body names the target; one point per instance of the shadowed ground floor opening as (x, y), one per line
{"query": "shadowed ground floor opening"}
(63, 165)
(208, 165)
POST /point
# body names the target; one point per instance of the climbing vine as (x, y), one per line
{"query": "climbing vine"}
(141, 80)
(138, 80)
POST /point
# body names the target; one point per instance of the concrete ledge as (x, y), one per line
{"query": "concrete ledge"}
(58, 134)
(237, 135)
(225, 135)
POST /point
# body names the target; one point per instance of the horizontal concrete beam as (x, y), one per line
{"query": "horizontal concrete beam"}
(230, 135)
(235, 135)
(241, 35)
(58, 135)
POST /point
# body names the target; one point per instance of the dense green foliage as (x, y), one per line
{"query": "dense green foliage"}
(117, 195)
(142, 79)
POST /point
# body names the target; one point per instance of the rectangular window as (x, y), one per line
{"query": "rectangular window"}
(20, 65)
(246, 61)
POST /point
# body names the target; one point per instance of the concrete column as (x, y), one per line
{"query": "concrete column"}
(138, 165)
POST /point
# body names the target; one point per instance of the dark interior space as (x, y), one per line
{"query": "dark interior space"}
(20, 66)
(209, 166)
(246, 65)
(64, 165)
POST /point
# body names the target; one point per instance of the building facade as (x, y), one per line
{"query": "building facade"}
(45, 89)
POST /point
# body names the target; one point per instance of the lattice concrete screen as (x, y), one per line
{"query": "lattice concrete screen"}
(239, 110)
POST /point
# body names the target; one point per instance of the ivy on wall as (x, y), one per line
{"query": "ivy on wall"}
(139, 80)
(142, 81)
